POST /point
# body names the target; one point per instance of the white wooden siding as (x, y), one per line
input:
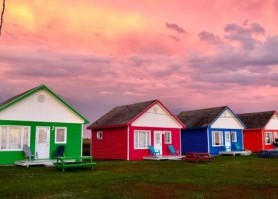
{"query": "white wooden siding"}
(273, 123)
(157, 116)
(33, 108)
(227, 120)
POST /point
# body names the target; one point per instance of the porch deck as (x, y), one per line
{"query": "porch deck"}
(234, 153)
(164, 157)
(27, 163)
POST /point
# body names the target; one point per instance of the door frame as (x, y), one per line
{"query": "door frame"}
(48, 141)
(154, 140)
(227, 140)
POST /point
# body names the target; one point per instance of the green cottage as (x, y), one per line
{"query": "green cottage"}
(40, 119)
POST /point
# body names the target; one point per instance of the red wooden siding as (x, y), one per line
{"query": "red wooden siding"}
(253, 140)
(112, 146)
(138, 154)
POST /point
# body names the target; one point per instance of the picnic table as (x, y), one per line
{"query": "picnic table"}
(74, 162)
(197, 157)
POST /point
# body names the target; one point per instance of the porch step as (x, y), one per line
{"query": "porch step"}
(160, 157)
(234, 153)
(27, 163)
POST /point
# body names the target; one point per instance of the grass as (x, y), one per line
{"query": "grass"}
(224, 177)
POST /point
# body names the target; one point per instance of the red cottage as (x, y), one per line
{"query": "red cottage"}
(262, 130)
(126, 131)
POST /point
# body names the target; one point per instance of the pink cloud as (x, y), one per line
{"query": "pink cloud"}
(100, 54)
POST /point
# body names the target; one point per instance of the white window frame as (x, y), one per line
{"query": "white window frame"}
(270, 137)
(100, 135)
(220, 137)
(21, 137)
(147, 139)
(65, 137)
(234, 136)
(168, 137)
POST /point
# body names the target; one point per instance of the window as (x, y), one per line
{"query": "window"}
(141, 139)
(268, 138)
(99, 135)
(275, 137)
(61, 135)
(217, 138)
(168, 137)
(234, 136)
(14, 137)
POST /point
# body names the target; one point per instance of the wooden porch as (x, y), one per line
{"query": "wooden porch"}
(234, 153)
(163, 157)
(27, 163)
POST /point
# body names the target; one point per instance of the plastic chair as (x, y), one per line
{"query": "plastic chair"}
(28, 154)
(238, 147)
(60, 152)
(154, 151)
(172, 150)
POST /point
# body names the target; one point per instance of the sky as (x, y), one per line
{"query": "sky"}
(98, 54)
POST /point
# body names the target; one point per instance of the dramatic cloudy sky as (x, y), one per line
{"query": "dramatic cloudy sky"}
(98, 54)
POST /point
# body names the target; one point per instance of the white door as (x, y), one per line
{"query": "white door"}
(158, 141)
(42, 142)
(228, 140)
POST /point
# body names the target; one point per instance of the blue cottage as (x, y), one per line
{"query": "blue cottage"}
(211, 130)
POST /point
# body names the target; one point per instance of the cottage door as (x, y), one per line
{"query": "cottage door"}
(42, 142)
(158, 141)
(228, 140)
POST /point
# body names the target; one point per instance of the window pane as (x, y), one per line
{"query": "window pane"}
(99, 135)
(15, 138)
(234, 136)
(217, 138)
(4, 138)
(275, 137)
(25, 136)
(217, 141)
(60, 136)
(268, 138)
(136, 140)
(168, 138)
(42, 136)
(157, 138)
(141, 139)
(147, 140)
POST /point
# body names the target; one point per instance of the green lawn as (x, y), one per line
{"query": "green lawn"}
(224, 177)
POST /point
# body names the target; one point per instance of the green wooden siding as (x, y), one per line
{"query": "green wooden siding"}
(73, 146)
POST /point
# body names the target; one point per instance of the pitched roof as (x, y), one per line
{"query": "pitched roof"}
(256, 120)
(25, 94)
(121, 115)
(6, 102)
(201, 117)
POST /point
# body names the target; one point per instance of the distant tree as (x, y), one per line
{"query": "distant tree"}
(2, 15)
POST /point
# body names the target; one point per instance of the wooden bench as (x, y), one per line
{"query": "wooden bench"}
(197, 157)
(74, 162)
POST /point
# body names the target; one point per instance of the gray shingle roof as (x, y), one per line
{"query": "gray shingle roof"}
(201, 117)
(256, 120)
(121, 115)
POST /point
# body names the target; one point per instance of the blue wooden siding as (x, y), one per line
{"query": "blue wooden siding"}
(239, 139)
(194, 140)
(214, 150)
